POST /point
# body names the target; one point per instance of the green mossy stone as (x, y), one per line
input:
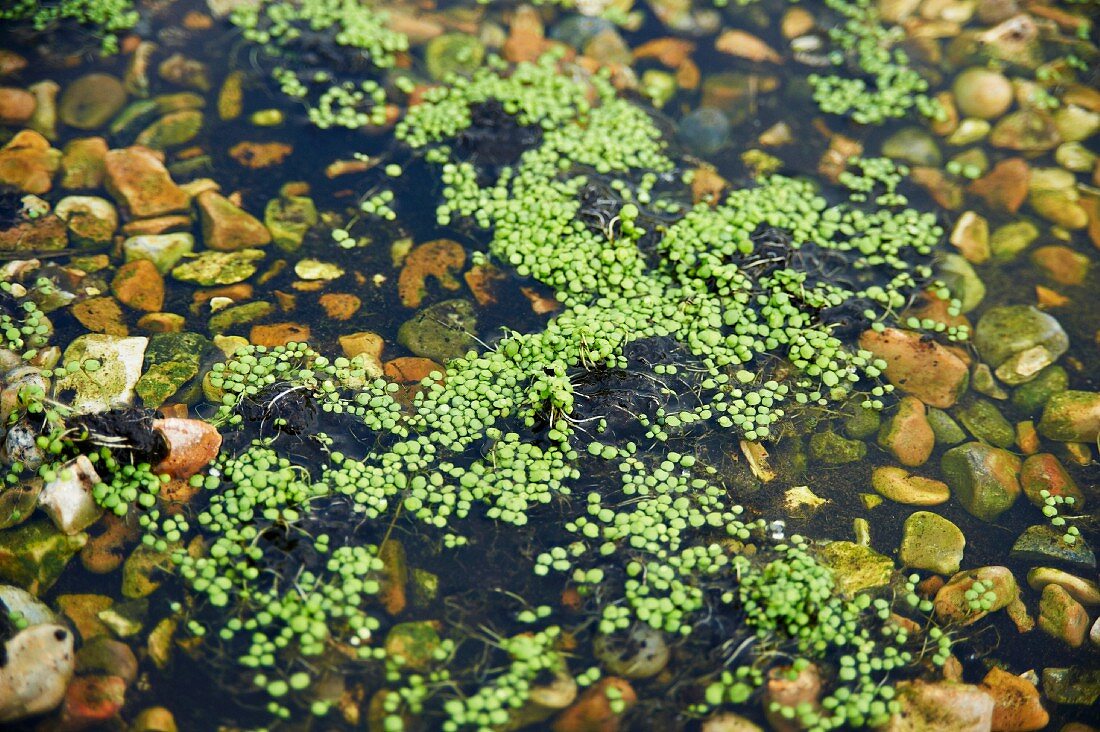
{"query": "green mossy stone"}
(110, 386)
(965, 284)
(983, 478)
(831, 448)
(135, 117)
(415, 643)
(17, 502)
(172, 130)
(913, 145)
(931, 542)
(986, 422)
(142, 571)
(862, 423)
(1043, 544)
(289, 219)
(219, 268)
(1075, 685)
(1006, 331)
(441, 332)
(1062, 617)
(33, 555)
(856, 567)
(453, 53)
(171, 361)
(232, 317)
(944, 427)
(424, 588)
(1007, 241)
(1032, 396)
(1071, 416)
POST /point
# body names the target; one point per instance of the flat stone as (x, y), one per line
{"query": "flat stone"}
(139, 285)
(227, 227)
(1044, 472)
(856, 567)
(1043, 544)
(442, 331)
(38, 664)
(833, 449)
(219, 268)
(138, 180)
(67, 499)
(163, 250)
(28, 163)
(1032, 396)
(1007, 331)
(932, 543)
(171, 130)
(982, 418)
(34, 554)
(91, 101)
(924, 368)
(112, 385)
(1074, 685)
(16, 105)
(900, 486)
(942, 705)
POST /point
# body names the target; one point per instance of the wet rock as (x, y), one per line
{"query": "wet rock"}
(453, 54)
(898, 485)
(315, 269)
(67, 499)
(171, 361)
(38, 664)
(833, 449)
(32, 611)
(913, 145)
(1053, 194)
(704, 131)
(178, 69)
(339, 305)
(1062, 264)
(20, 446)
(219, 268)
(1028, 130)
(983, 382)
(415, 643)
(1074, 685)
(971, 237)
(239, 315)
(1087, 592)
(171, 130)
(986, 422)
(28, 163)
(17, 503)
(965, 284)
(1005, 186)
(192, 445)
(856, 567)
(638, 654)
(106, 656)
(952, 604)
(138, 180)
(16, 106)
(944, 427)
(442, 331)
(861, 423)
(139, 285)
(931, 542)
(34, 554)
(278, 334)
(1071, 416)
(44, 119)
(983, 93)
(226, 227)
(1019, 341)
(82, 165)
(1044, 472)
(781, 691)
(1017, 706)
(1076, 123)
(800, 502)
(1075, 156)
(923, 368)
(1044, 544)
(110, 385)
(1062, 617)
(1033, 395)
(729, 722)
(154, 719)
(91, 220)
(170, 224)
(289, 218)
(907, 435)
(593, 711)
(91, 101)
(134, 118)
(91, 701)
(983, 478)
(100, 315)
(163, 250)
(143, 571)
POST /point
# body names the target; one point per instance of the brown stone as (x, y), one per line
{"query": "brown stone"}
(100, 315)
(340, 305)
(1016, 703)
(47, 233)
(16, 105)
(1062, 264)
(138, 180)
(1004, 187)
(91, 701)
(82, 163)
(227, 227)
(139, 285)
(192, 445)
(805, 688)
(410, 369)
(257, 155)
(28, 163)
(907, 434)
(169, 224)
(923, 368)
(278, 334)
(592, 711)
(943, 705)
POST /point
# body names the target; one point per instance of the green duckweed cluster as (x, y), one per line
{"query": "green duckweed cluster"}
(24, 328)
(107, 18)
(297, 36)
(888, 86)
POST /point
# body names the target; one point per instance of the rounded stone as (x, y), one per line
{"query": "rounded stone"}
(982, 93)
(91, 101)
(932, 543)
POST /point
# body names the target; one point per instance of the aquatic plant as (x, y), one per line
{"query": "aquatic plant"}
(105, 17)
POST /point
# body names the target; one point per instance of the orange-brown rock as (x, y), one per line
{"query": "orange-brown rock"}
(82, 163)
(139, 285)
(1016, 702)
(592, 712)
(28, 162)
(1005, 186)
(137, 179)
(482, 279)
(257, 155)
(923, 368)
(943, 705)
(1062, 264)
(100, 315)
(805, 688)
(340, 305)
(438, 259)
(169, 224)
(278, 334)
(192, 445)
(410, 369)
(227, 227)
(16, 105)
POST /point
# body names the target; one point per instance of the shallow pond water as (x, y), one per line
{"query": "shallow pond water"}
(579, 366)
